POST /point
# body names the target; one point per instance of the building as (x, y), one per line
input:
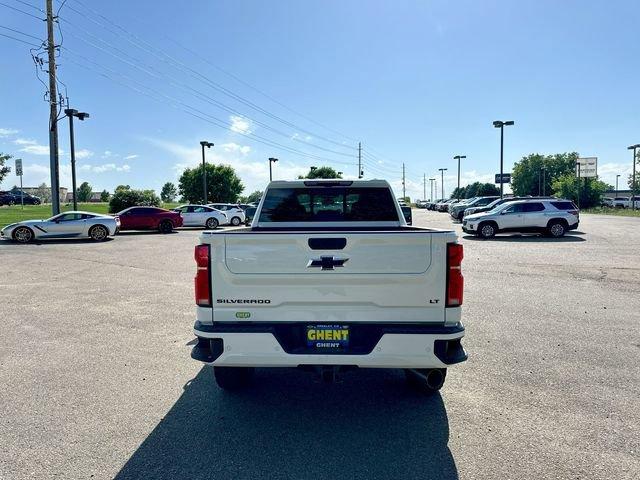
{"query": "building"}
(95, 197)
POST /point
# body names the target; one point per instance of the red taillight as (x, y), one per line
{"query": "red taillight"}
(202, 280)
(455, 280)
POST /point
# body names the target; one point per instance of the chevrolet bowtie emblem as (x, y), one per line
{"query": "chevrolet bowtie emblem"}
(327, 263)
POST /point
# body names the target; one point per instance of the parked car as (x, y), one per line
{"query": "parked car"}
(633, 202)
(149, 218)
(607, 202)
(433, 205)
(249, 214)
(499, 201)
(332, 291)
(422, 204)
(244, 206)
(75, 224)
(232, 211)
(554, 217)
(444, 206)
(457, 211)
(406, 211)
(620, 202)
(14, 198)
(201, 216)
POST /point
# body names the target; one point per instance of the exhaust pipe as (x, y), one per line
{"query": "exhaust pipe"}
(434, 378)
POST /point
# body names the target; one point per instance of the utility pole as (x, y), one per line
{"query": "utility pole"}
(53, 114)
(404, 188)
(431, 180)
(424, 186)
(442, 170)
(204, 143)
(578, 185)
(617, 177)
(458, 157)
(633, 175)
(359, 160)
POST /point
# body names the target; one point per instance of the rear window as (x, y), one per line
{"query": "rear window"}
(564, 205)
(333, 204)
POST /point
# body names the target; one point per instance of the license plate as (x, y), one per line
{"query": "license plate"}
(328, 337)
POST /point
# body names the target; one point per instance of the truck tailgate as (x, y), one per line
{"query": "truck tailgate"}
(353, 276)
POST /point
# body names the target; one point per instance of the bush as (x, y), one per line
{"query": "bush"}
(125, 197)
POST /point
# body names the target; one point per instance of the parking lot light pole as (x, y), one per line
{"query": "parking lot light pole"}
(204, 143)
(458, 157)
(617, 177)
(431, 180)
(500, 124)
(633, 175)
(544, 180)
(442, 170)
(70, 112)
(271, 161)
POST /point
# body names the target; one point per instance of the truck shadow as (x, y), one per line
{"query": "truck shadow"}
(288, 426)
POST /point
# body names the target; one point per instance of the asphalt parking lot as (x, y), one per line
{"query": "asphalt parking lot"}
(98, 383)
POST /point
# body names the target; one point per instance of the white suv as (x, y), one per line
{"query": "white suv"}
(553, 216)
(232, 210)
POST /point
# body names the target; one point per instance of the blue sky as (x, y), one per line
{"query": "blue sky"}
(415, 81)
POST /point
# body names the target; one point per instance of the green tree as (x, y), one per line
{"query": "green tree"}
(252, 197)
(223, 185)
(526, 178)
(168, 192)
(322, 172)
(44, 193)
(590, 190)
(84, 192)
(4, 169)
(476, 189)
(125, 197)
(104, 196)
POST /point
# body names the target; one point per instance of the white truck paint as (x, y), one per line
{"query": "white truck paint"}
(274, 285)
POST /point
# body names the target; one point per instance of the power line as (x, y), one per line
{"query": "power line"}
(176, 63)
(186, 108)
(21, 11)
(21, 33)
(27, 4)
(18, 40)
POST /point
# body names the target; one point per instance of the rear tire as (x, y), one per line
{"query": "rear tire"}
(165, 226)
(23, 235)
(426, 380)
(487, 230)
(233, 379)
(557, 229)
(212, 223)
(98, 233)
(235, 221)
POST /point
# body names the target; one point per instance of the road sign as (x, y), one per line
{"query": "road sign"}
(588, 167)
(19, 167)
(506, 178)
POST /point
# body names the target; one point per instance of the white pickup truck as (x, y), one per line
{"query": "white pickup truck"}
(329, 277)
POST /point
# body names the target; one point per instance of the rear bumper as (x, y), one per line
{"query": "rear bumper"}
(274, 345)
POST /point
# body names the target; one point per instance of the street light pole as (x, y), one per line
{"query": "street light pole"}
(458, 157)
(70, 112)
(271, 160)
(544, 180)
(500, 124)
(442, 170)
(633, 175)
(204, 143)
(431, 180)
(617, 177)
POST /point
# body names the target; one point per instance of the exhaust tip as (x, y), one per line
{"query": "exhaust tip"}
(435, 379)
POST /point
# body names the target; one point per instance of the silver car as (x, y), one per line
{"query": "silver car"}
(73, 224)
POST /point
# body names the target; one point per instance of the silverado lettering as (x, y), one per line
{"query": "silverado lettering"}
(252, 300)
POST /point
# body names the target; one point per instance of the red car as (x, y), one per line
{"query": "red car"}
(149, 218)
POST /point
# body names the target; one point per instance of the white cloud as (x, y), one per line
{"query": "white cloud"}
(36, 149)
(84, 153)
(234, 147)
(6, 132)
(131, 157)
(108, 154)
(24, 141)
(239, 124)
(106, 167)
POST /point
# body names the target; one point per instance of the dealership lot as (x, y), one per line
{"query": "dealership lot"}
(98, 382)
